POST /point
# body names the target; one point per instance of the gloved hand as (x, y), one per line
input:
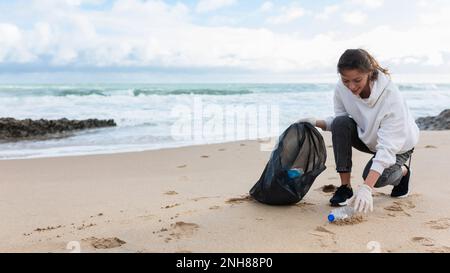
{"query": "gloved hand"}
(362, 200)
(310, 120)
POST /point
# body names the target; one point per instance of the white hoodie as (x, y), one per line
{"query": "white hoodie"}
(383, 120)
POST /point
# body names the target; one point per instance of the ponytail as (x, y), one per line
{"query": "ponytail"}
(360, 59)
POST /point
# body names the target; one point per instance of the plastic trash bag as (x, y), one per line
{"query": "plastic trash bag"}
(301, 146)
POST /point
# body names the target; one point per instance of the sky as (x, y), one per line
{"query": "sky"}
(218, 40)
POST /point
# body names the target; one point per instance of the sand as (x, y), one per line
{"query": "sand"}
(195, 199)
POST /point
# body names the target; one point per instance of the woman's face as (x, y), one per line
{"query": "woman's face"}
(355, 80)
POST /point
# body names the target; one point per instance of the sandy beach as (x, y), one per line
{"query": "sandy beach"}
(193, 199)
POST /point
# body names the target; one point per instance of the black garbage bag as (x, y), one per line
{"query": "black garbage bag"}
(301, 146)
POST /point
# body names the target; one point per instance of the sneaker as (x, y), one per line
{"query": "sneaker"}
(341, 196)
(401, 190)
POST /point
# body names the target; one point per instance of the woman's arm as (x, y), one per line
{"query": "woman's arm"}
(321, 124)
(372, 178)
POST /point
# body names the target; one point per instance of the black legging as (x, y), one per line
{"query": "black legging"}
(345, 136)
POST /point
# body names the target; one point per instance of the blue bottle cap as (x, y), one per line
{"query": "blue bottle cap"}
(293, 173)
(331, 217)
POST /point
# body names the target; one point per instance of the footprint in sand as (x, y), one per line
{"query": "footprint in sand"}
(329, 188)
(377, 193)
(196, 199)
(181, 229)
(305, 206)
(161, 230)
(48, 228)
(423, 241)
(443, 223)
(443, 249)
(204, 156)
(171, 193)
(98, 215)
(238, 200)
(325, 236)
(430, 146)
(400, 206)
(170, 206)
(105, 243)
(85, 226)
(322, 229)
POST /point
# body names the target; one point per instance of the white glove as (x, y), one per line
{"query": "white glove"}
(362, 200)
(310, 120)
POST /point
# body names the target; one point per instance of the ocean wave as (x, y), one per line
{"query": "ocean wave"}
(215, 92)
(422, 87)
(134, 123)
(160, 90)
(51, 92)
(64, 93)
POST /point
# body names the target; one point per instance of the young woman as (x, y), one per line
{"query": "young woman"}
(371, 116)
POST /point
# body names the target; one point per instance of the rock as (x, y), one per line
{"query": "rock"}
(14, 130)
(440, 122)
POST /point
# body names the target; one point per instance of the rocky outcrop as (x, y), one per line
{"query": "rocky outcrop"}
(13, 130)
(440, 122)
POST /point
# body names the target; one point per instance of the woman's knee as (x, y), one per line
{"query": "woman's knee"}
(341, 122)
(390, 177)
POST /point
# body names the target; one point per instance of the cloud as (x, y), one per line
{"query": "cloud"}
(327, 12)
(204, 6)
(437, 16)
(84, 2)
(288, 14)
(12, 48)
(373, 4)
(266, 6)
(354, 18)
(138, 34)
(399, 47)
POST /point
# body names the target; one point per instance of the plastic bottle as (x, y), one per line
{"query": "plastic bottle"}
(294, 173)
(341, 213)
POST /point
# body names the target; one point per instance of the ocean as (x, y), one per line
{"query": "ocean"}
(156, 116)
